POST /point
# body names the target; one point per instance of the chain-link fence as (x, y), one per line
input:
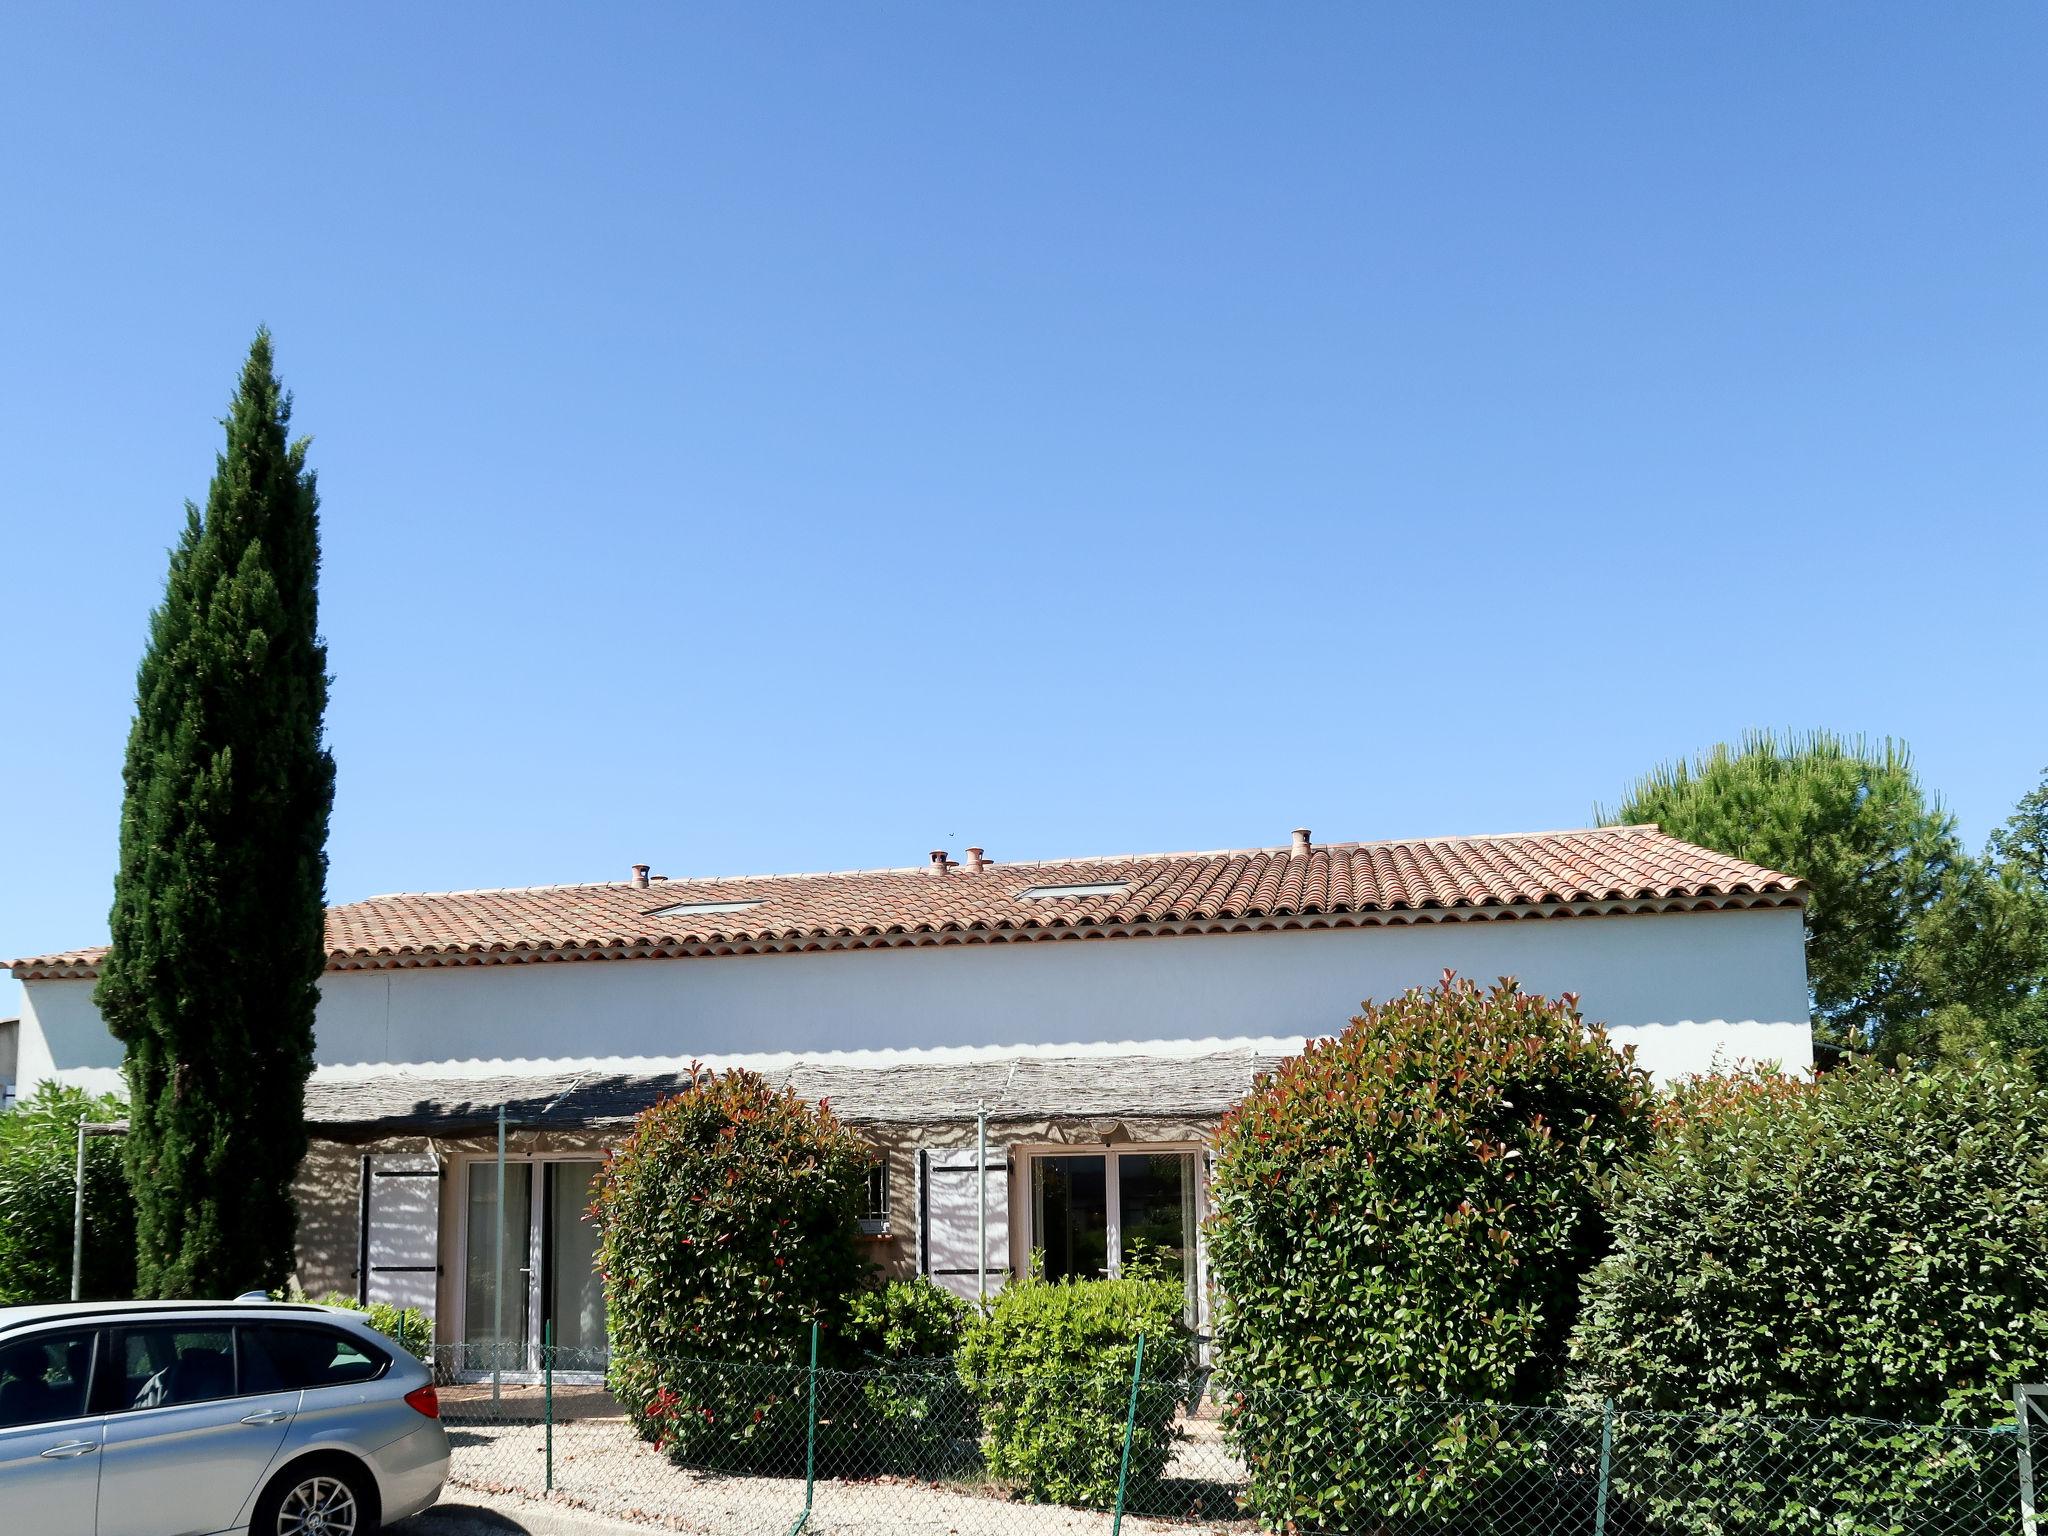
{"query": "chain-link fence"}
(734, 1446)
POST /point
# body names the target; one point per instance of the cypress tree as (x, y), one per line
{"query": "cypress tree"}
(219, 901)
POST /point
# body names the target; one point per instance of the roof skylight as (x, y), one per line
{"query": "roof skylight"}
(1055, 892)
(693, 908)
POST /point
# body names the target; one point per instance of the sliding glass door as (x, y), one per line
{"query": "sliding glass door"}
(495, 1310)
(1156, 1212)
(1070, 1201)
(574, 1302)
(1115, 1212)
(548, 1274)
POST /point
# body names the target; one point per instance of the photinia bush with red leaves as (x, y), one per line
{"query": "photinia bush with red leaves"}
(1401, 1214)
(1866, 1248)
(729, 1221)
(1705, 1098)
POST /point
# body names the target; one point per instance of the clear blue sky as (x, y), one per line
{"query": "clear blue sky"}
(767, 437)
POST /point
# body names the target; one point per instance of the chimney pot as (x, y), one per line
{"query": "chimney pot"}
(938, 861)
(1301, 843)
(640, 873)
(975, 861)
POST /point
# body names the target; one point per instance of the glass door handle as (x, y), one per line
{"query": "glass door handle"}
(70, 1448)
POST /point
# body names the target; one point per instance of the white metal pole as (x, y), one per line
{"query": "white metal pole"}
(498, 1284)
(85, 1128)
(78, 1216)
(981, 1203)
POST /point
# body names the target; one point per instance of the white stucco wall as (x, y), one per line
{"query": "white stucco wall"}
(1652, 979)
(61, 1030)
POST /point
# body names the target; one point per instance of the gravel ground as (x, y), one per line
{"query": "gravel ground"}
(601, 1467)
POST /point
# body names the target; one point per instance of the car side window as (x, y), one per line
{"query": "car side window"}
(43, 1380)
(303, 1355)
(163, 1365)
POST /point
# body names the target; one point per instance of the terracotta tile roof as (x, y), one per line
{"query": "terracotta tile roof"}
(1535, 874)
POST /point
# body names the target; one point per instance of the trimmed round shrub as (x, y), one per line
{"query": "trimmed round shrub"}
(904, 1411)
(1871, 1244)
(38, 1169)
(905, 1320)
(1050, 1366)
(1402, 1217)
(728, 1224)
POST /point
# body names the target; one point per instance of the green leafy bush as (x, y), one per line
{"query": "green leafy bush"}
(728, 1223)
(1404, 1212)
(905, 1320)
(38, 1167)
(410, 1328)
(1049, 1367)
(912, 1415)
(1873, 1244)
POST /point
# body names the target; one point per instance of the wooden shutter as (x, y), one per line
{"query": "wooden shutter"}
(398, 1258)
(947, 1227)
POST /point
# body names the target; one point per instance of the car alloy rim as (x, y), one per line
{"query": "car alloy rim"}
(320, 1506)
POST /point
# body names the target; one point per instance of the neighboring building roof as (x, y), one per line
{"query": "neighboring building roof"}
(1598, 871)
(863, 1088)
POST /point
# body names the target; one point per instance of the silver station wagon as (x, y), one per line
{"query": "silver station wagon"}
(192, 1418)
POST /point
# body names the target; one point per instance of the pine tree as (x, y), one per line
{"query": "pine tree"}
(218, 904)
(1851, 819)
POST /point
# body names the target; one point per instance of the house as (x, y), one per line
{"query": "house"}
(10, 1036)
(1038, 1053)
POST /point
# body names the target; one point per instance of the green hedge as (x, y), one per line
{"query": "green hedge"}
(38, 1169)
(1402, 1214)
(1874, 1244)
(906, 1411)
(728, 1223)
(1050, 1369)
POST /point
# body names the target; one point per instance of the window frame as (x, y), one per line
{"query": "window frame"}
(378, 1354)
(60, 1329)
(875, 1222)
(708, 908)
(1024, 1206)
(104, 1375)
(456, 1325)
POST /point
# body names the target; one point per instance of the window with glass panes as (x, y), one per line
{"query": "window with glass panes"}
(1127, 1210)
(874, 1218)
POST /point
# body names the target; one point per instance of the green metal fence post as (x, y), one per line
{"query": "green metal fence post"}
(2024, 1430)
(1123, 1471)
(1606, 1464)
(547, 1377)
(810, 1438)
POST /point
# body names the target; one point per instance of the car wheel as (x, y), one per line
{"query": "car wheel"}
(318, 1499)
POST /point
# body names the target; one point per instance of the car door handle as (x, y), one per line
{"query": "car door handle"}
(70, 1448)
(267, 1416)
